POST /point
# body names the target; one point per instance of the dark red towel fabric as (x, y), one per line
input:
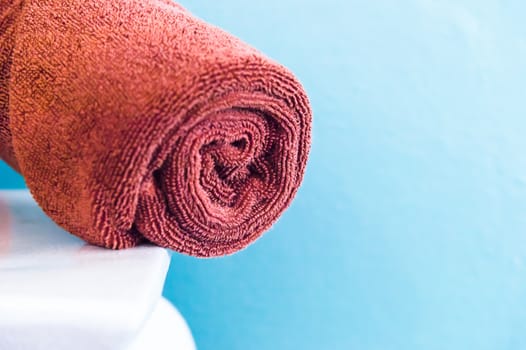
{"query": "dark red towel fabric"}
(132, 120)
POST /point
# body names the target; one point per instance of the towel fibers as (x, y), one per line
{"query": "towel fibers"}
(134, 121)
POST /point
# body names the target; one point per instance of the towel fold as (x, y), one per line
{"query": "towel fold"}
(132, 120)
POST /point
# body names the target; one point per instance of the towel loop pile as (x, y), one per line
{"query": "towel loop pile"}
(134, 121)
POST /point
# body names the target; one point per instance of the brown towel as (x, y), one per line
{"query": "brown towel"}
(132, 120)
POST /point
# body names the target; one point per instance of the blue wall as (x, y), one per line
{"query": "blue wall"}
(410, 229)
(8, 178)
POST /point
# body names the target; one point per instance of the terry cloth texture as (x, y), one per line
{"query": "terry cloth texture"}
(133, 121)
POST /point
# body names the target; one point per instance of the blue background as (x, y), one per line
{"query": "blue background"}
(410, 229)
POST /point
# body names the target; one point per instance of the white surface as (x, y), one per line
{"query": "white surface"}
(56, 292)
(165, 330)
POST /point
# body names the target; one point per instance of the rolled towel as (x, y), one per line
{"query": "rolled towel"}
(132, 121)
